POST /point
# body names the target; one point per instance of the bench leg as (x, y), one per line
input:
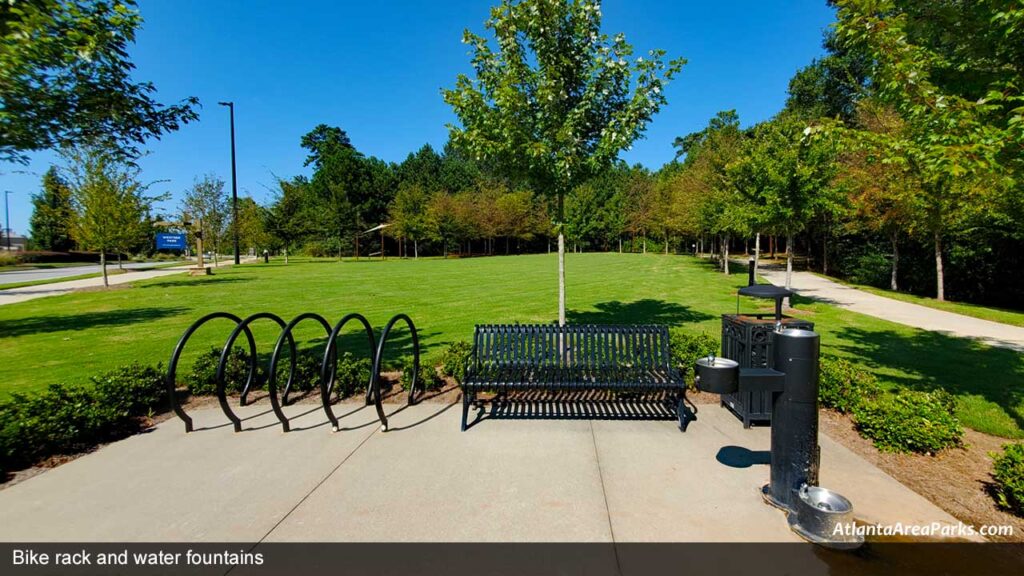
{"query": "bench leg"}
(681, 410)
(465, 408)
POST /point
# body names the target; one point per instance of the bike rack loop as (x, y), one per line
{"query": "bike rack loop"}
(330, 363)
(172, 365)
(375, 373)
(253, 361)
(272, 376)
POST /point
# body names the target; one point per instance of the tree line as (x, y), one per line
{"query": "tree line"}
(896, 160)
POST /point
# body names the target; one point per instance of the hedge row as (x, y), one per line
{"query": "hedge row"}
(66, 419)
(1008, 473)
(904, 421)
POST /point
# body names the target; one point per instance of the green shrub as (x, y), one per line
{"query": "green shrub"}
(307, 371)
(1008, 473)
(429, 379)
(844, 385)
(455, 360)
(133, 389)
(910, 421)
(65, 419)
(686, 348)
(203, 378)
(352, 375)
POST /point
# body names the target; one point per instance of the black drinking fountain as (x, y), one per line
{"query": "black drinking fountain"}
(813, 512)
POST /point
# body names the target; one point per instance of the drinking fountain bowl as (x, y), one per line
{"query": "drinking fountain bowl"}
(717, 375)
(824, 517)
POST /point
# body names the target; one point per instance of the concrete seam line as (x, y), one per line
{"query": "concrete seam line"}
(315, 488)
(604, 493)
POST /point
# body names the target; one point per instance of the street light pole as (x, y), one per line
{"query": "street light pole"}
(7, 218)
(234, 183)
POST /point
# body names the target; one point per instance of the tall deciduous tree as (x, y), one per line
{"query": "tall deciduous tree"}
(51, 214)
(554, 99)
(959, 94)
(65, 79)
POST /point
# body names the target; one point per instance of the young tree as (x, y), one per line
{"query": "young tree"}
(288, 220)
(443, 219)
(705, 187)
(206, 202)
(787, 174)
(515, 216)
(409, 216)
(66, 79)
(554, 99)
(51, 214)
(108, 199)
(252, 233)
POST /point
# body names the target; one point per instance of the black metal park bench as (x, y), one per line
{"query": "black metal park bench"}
(572, 358)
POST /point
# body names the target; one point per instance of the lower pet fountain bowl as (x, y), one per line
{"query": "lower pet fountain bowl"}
(824, 517)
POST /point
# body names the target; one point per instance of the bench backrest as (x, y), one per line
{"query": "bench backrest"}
(571, 346)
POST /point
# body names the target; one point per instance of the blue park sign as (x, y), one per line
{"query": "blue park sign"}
(170, 241)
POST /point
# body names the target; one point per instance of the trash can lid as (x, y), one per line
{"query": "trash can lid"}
(765, 291)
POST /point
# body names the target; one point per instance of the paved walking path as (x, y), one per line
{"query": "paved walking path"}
(825, 290)
(504, 480)
(33, 274)
(13, 295)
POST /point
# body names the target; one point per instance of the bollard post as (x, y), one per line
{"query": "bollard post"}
(794, 449)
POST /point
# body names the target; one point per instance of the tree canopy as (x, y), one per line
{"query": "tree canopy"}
(65, 79)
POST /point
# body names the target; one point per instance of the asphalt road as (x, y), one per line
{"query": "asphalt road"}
(35, 274)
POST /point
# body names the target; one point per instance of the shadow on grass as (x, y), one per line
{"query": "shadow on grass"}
(85, 321)
(931, 360)
(197, 281)
(646, 311)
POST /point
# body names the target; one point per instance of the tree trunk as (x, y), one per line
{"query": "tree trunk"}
(824, 254)
(789, 265)
(620, 245)
(757, 254)
(103, 265)
(725, 254)
(120, 266)
(940, 291)
(644, 243)
(415, 249)
(893, 284)
(772, 242)
(561, 260)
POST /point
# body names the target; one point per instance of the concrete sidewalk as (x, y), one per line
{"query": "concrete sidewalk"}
(825, 290)
(14, 295)
(424, 481)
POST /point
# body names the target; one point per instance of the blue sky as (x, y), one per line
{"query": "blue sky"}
(375, 69)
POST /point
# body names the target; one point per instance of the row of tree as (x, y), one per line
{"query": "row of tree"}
(898, 151)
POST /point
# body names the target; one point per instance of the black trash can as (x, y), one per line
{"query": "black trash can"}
(747, 339)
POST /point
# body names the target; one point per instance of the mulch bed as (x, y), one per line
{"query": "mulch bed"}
(957, 480)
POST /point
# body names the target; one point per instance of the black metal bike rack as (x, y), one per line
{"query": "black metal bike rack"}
(328, 366)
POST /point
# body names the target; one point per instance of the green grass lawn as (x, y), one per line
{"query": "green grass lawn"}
(68, 338)
(1012, 317)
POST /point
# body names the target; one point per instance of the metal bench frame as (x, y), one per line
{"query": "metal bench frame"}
(572, 358)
